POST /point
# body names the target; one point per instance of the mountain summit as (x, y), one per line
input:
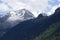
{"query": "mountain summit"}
(23, 13)
(13, 18)
(19, 16)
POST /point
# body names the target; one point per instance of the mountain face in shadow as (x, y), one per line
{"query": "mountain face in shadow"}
(30, 29)
(42, 16)
(3, 20)
(51, 33)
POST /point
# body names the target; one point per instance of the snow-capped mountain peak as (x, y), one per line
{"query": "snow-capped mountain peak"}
(23, 13)
(16, 17)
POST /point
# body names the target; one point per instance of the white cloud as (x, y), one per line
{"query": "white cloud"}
(3, 7)
(14, 4)
(32, 5)
(37, 4)
(53, 9)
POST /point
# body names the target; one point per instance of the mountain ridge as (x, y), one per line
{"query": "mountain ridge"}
(29, 29)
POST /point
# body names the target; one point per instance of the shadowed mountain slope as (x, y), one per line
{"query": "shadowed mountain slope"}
(30, 29)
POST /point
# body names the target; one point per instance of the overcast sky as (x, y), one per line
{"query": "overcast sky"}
(32, 5)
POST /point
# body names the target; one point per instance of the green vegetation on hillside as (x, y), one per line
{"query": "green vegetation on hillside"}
(52, 33)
